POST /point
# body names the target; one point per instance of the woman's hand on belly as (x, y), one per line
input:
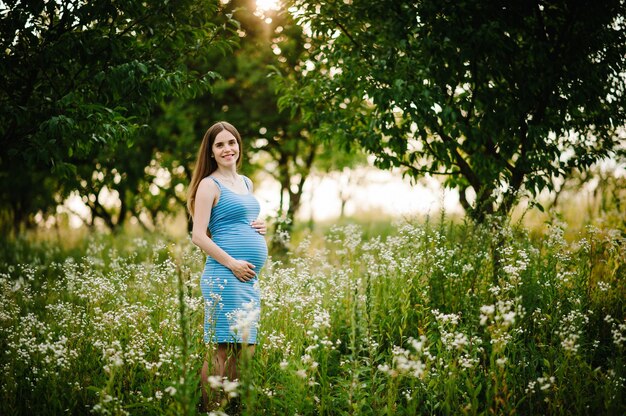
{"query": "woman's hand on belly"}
(259, 226)
(242, 270)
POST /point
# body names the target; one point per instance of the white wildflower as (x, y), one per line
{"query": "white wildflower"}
(230, 387)
(244, 320)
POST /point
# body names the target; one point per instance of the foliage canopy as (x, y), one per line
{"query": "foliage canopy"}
(497, 97)
(78, 77)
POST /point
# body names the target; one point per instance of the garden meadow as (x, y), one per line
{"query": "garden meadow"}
(495, 313)
(428, 317)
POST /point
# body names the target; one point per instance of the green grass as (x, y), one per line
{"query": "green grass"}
(414, 318)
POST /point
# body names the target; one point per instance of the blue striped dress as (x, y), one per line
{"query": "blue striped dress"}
(232, 307)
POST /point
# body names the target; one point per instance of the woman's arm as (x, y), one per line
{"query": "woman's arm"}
(206, 196)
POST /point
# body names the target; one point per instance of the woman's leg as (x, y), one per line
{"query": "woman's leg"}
(225, 359)
(220, 358)
(204, 380)
(234, 354)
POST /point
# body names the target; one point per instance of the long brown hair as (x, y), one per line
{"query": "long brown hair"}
(205, 163)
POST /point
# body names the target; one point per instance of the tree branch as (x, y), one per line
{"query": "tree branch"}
(424, 171)
(466, 169)
(345, 32)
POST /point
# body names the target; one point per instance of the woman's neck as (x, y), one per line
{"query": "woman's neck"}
(227, 173)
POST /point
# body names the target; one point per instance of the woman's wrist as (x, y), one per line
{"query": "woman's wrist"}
(230, 263)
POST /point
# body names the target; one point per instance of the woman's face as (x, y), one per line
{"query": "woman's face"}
(225, 149)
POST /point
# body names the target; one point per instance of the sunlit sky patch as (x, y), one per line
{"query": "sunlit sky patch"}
(266, 5)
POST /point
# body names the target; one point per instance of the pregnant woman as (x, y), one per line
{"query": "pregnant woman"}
(226, 228)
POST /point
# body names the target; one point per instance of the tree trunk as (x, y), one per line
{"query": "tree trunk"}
(483, 206)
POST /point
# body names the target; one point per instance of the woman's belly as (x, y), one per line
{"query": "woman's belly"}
(243, 242)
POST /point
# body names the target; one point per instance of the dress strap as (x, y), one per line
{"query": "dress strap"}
(219, 185)
(248, 182)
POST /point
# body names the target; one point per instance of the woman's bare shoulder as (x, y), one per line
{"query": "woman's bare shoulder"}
(208, 185)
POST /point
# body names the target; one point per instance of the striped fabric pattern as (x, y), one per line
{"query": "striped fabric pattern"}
(232, 307)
